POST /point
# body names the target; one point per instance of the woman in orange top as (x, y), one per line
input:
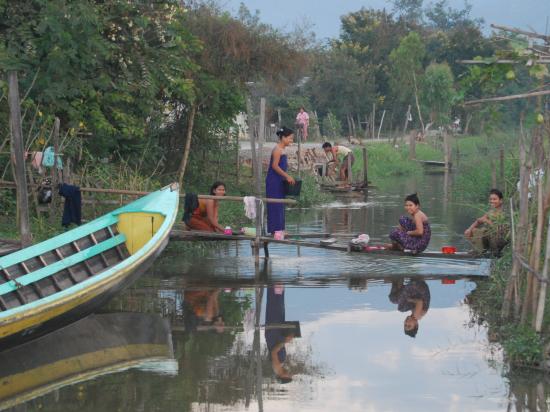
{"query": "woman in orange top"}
(205, 217)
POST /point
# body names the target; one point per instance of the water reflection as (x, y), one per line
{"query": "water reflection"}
(98, 345)
(202, 310)
(413, 296)
(278, 331)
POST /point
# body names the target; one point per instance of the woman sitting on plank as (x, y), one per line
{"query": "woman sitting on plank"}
(413, 232)
(205, 216)
(490, 231)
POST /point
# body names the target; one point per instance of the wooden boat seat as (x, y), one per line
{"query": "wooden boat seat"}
(57, 242)
(42, 273)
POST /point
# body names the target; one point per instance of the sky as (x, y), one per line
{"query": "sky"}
(324, 15)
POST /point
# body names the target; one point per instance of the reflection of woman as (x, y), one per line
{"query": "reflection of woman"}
(414, 296)
(274, 181)
(414, 232)
(201, 308)
(205, 217)
(277, 337)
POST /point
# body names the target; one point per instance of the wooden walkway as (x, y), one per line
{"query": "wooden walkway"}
(297, 240)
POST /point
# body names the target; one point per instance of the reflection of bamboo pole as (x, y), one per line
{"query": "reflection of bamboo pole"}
(257, 348)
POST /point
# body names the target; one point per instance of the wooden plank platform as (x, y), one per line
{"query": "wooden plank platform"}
(192, 235)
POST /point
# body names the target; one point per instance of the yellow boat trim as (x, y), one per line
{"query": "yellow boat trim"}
(44, 379)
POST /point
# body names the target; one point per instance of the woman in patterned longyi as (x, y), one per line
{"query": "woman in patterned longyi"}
(414, 232)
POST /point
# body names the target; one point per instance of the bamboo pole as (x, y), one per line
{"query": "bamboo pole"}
(17, 158)
(257, 184)
(10, 185)
(381, 123)
(350, 173)
(55, 180)
(542, 291)
(506, 98)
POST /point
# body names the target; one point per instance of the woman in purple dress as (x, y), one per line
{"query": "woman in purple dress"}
(274, 181)
(414, 232)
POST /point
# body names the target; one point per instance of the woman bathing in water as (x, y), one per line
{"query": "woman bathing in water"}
(413, 232)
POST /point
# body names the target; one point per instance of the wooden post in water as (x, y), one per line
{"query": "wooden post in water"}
(447, 143)
(257, 181)
(365, 168)
(17, 159)
(260, 156)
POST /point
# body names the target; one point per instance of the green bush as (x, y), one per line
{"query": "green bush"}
(522, 345)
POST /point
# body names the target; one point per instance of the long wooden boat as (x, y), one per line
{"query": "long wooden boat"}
(68, 276)
(94, 346)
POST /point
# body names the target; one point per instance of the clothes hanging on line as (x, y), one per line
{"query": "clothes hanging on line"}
(48, 158)
(250, 207)
(72, 210)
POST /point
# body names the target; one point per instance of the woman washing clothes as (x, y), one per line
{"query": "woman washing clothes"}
(275, 179)
(414, 230)
(205, 216)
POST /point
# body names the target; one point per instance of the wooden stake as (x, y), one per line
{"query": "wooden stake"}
(17, 158)
(365, 167)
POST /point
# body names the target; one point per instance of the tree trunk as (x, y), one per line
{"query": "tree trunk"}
(418, 105)
(189, 135)
(17, 159)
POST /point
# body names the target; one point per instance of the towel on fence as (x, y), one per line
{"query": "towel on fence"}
(190, 203)
(250, 207)
(48, 158)
(72, 211)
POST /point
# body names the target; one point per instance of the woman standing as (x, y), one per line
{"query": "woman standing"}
(205, 217)
(414, 232)
(302, 121)
(274, 181)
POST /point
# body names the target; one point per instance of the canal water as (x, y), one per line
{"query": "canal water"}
(306, 330)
